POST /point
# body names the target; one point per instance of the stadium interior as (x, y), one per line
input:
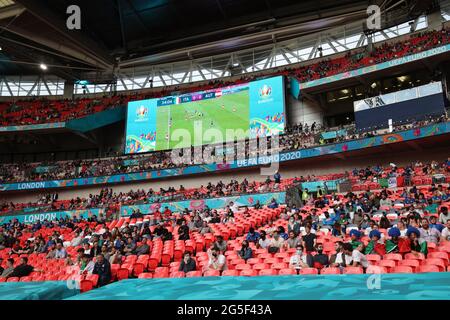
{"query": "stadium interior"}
(224, 149)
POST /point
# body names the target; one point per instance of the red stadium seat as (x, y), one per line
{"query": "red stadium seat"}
(192, 274)
(376, 269)
(402, 269)
(145, 275)
(243, 266)
(177, 274)
(435, 262)
(309, 271)
(86, 285)
(268, 272)
(439, 255)
(123, 273)
(353, 270)
(286, 271)
(211, 273)
(387, 264)
(330, 270)
(13, 279)
(427, 268)
(393, 256)
(248, 273)
(230, 273)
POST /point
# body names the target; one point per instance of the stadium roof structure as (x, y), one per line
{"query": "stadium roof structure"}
(124, 34)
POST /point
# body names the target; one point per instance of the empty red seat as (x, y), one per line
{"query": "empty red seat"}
(145, 275)
(353, 270)
(402, 269)
(415, 256)
(330, 270)
(248, 273)
(439, 255)
(242, 266)
(177, 274)
(409, 263)
(387, 263)
(286, 271)
(260, 266)
(13, 279)
(309, 271)
(86, 285)
(211, 273)
(393, 256)
(192, 274)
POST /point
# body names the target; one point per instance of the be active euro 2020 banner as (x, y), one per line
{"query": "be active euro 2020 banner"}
(253, 109)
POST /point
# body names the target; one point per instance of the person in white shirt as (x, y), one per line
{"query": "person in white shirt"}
(358, 258)
(445, 234)
(263, 241)
(60, 252)
(234, 207)
(86, 264)
(300, 260)
(217, 261)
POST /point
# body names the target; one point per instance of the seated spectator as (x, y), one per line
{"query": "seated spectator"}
(245, 252)
(22, 270)
(355, 235)
(445, 234)
(130, 248)
(263, 241)
(9, 268)
(443, 215)
(429, 234)
(300, 259)
(60, 252)
(102, 268)
(340, 259)
(187, 264)
(143, 248)
(183, 230)
(86, 265)
(273, 204)
(320, 260)
(358, 258)
(252, 235)
(217, 261)
(375, 245)
(392, 243)
(220, 244)
(276, 243)
(205, 228)
(293, 241)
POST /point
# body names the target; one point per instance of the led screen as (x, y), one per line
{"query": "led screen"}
(248, 110)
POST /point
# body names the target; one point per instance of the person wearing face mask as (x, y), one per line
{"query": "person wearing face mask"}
(320, 260)
(246, 252)
(300, 259)
(293, 226)
(263, 241)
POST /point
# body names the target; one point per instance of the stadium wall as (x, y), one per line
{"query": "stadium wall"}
(303, 111)
(324, 165)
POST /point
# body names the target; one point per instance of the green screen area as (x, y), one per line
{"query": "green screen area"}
(230, 111)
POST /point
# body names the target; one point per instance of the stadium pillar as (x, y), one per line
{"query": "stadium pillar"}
(435, 20)
(68, 89)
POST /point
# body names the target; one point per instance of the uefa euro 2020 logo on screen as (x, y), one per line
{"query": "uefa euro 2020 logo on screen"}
(265, 91)
(141, 113)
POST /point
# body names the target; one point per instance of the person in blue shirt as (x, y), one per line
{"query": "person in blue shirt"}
(252, 235)
(273, 204)
(328, 221)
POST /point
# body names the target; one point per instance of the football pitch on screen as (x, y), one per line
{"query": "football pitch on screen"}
(230, 111)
